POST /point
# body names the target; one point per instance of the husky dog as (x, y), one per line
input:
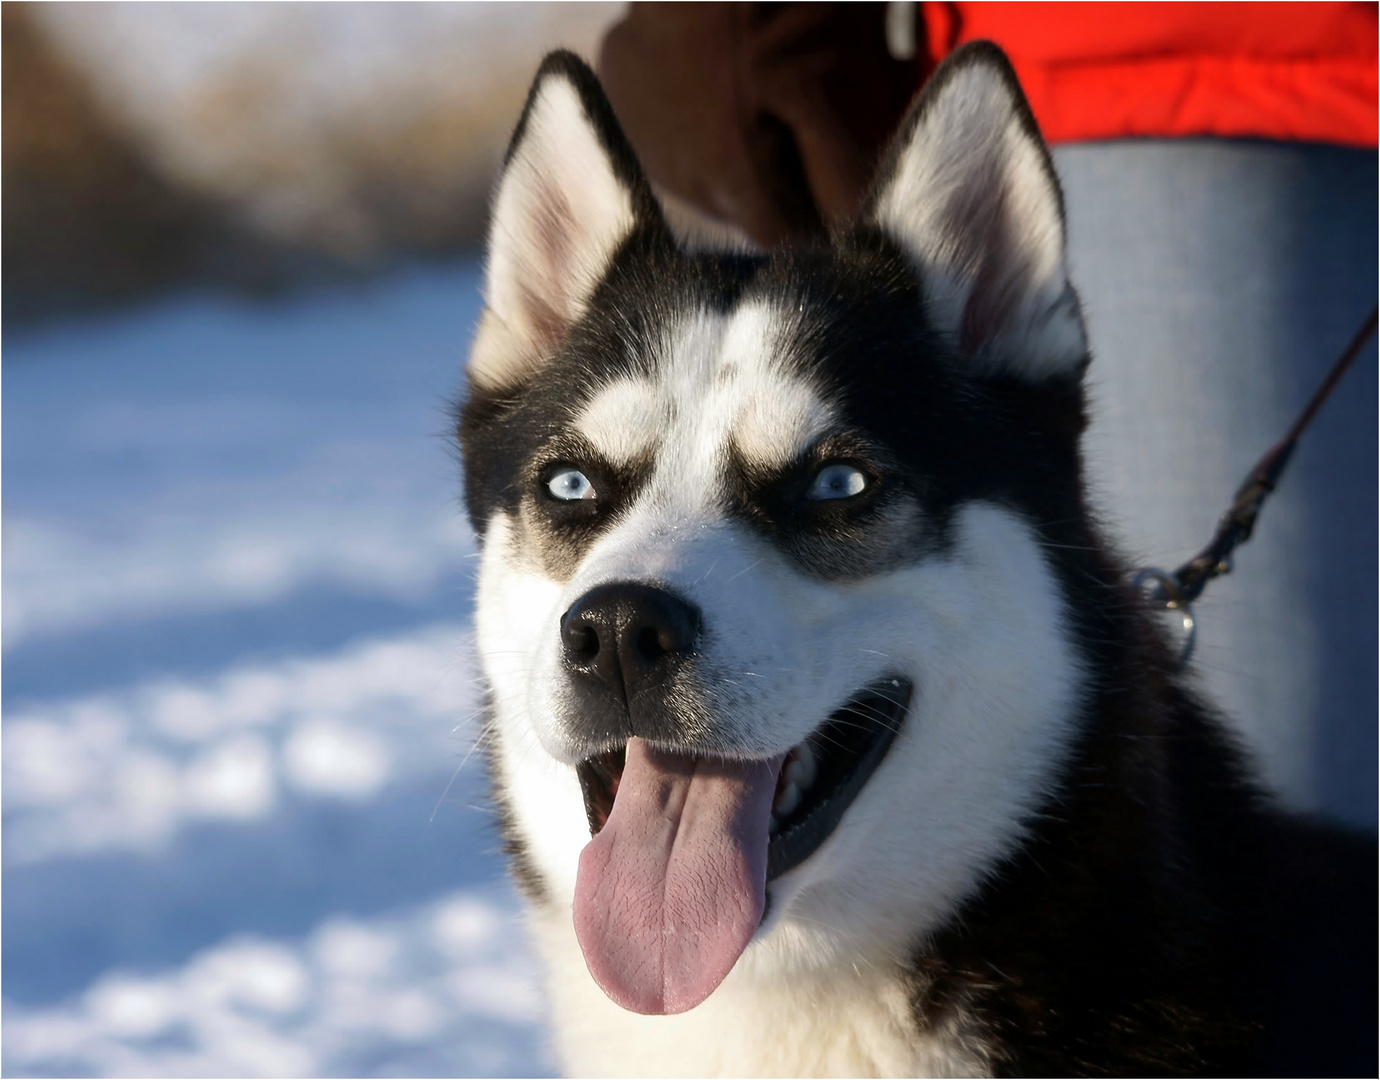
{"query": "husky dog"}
(826, 735)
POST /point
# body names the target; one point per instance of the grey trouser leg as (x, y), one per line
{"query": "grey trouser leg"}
(1220, 279)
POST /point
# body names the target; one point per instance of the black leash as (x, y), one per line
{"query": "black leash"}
(1177, 591)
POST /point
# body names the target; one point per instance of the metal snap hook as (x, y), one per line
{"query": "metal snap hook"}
(1161, 589)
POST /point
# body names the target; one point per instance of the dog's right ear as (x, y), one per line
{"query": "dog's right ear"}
(570, 193)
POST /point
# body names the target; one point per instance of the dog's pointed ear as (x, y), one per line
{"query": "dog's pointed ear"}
(571, 192)
(970, 195)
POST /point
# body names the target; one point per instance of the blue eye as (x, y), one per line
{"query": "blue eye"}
(836, 482)
(570, 485)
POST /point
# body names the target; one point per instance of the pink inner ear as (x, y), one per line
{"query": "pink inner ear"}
(997, 269)
(548, 326)
(552, 276)
(1000, 282)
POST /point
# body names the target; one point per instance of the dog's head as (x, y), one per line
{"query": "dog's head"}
(766, 600)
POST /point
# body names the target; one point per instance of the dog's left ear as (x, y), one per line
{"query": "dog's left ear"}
(571, 192)
(969, 193)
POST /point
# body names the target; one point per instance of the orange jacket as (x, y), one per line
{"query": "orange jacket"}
(1295, 71)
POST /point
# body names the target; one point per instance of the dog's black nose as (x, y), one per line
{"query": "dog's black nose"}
(627, 635)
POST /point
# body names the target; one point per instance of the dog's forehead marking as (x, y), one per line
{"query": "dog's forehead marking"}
(624, 421)
(722, 380)
(773, 412)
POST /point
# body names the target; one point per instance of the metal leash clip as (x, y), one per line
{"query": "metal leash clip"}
(1177, 591)
(1160, 589)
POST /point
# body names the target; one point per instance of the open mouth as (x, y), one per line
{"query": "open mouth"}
(818, 781)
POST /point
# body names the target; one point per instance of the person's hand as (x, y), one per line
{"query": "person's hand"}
(769, 117)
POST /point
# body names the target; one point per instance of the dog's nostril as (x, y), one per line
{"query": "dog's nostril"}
(580, 636)
(586, 641)
(651, 645)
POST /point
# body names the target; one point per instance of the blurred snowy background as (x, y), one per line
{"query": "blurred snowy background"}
(244, 832)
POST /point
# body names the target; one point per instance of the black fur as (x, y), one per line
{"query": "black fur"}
(1163, 918)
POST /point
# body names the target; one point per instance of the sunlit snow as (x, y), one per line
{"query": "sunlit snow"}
(245, 832)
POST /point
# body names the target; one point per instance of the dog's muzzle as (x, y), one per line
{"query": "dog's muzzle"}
(623, 643)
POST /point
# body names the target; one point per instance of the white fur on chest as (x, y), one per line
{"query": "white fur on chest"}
(846, 1023)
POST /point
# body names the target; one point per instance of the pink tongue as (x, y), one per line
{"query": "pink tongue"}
(671, 890)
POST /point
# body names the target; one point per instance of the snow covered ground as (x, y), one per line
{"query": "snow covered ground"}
(243, 830)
